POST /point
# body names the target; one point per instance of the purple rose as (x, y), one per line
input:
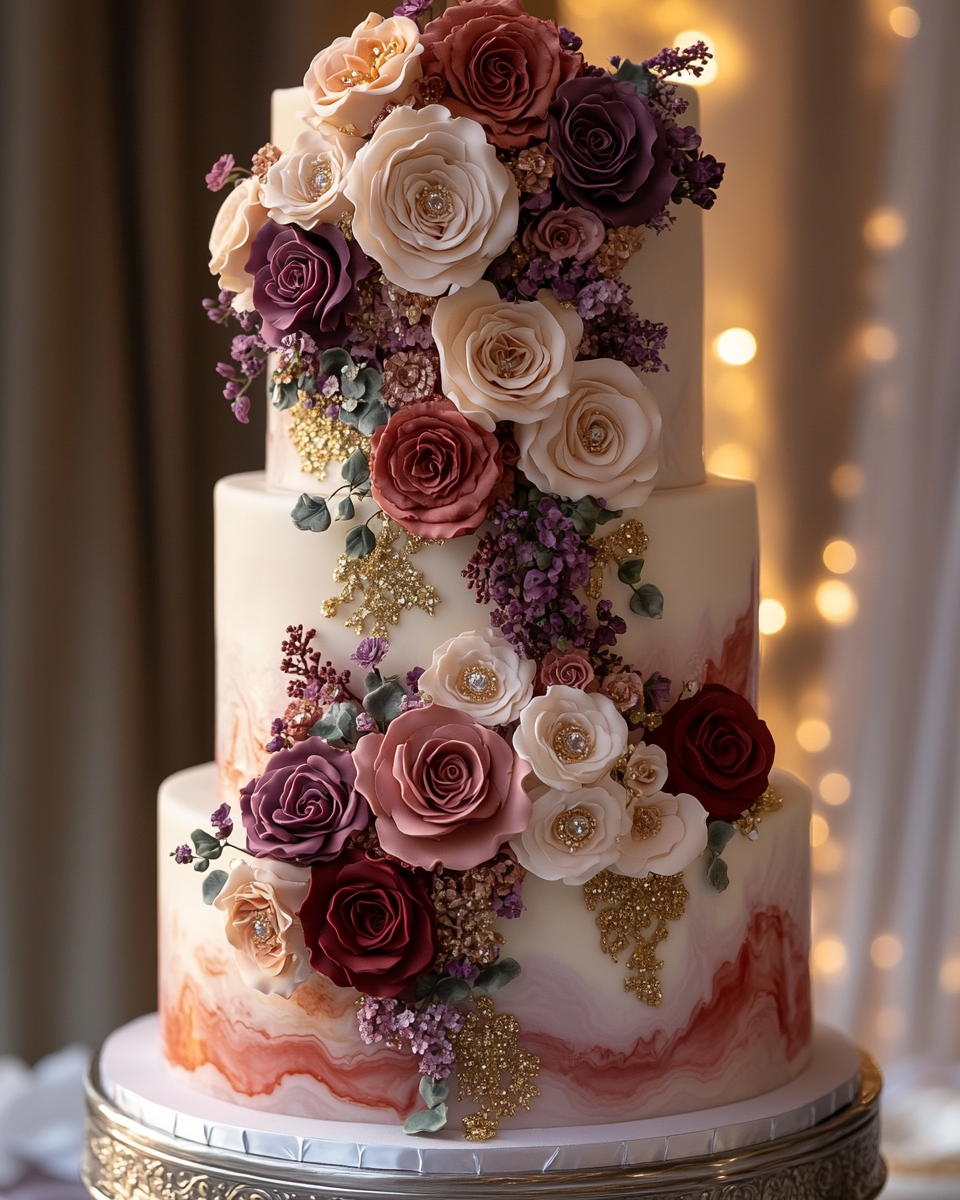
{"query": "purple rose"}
(612, 153)
(305, 281)
(304, 806)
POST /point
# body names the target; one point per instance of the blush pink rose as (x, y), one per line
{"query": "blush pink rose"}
(566, 233)
(571, 668)
(445, 790)
(625, 689)
(500, 66)
(433, 470)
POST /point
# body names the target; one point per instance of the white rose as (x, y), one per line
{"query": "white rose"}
(603, 439)
(305, 185)
(646, 771)
(570, 738)
(434, 205)
(480, 673)
(574, 835)
(667, 833)
(349, 83)
(236, 225)
(501, 361)
(260, 903)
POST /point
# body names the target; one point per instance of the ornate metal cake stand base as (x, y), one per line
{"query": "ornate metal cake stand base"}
(838, 1159)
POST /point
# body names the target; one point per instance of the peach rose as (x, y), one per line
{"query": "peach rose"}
(647, 771)
(260, 902)
(501, 361)
(305, 185)
(349, 83)
(240, 217)
(602, 439)
(434, 205)
(666, 834)
(481, 674)
(625, 689)
(570, 738)
(574, 835)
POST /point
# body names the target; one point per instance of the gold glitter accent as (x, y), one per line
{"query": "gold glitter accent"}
(264, 933)
(486, 1048)
(647, 823)
(594, 439)
(472, 676)
(633, 905)
(345, 225)
(574, 826)
(320, 439)
(378, 56)
(651, 720)
(629, 540)
(618, 248)
(387, 582)
(571, 743)
(747, 822)
(463, 901)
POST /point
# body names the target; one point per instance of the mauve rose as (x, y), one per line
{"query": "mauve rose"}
(571, 668)
(717, 749)
(433, 470)
(501, 67)
(305, 281)
(612, 155)
(444, 789)
(368, 924)
(304, 806)
(566, 233)
(625, 689)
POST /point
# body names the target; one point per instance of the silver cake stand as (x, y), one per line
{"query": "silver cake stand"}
(837, 1159)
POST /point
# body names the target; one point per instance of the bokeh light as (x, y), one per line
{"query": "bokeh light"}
(735, 461)
(846, 481)
(905, 21)
(689, 37)
(950, 975)
(813, 735)
(885, 228)
(839, 556)
(736, 346)
(879, 343)
(827, 857)
(819, 830)
(829, 956)
(836, 602)
(773, 616)
(835, 788)
(886, 950)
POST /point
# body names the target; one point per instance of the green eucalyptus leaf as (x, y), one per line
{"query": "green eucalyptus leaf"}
(452, 991)
(609, 514)
(647, 601)
(206, 844)
(311, 514)
(630, 570)
(356, 469)
(284, 395)
(338, 724)
(718, 834)
(717, 875)
(637, 74)
(345, 510)
(334, 360)
(372, 680)
(375, 413)
(434, 1091)
(201, 865)
(370, 380)
(307, 383)
(497, 975)
(359, 542)
(383, 702)
(213, 886)
(428, 1120)
(426, 985)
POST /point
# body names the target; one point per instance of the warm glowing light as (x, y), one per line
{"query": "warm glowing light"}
(879, 343)
(734, 460)
(735, 392)
(736, 346)
(819, 830)
(839, 556)
(846, 481)
(886, 951)
(835, 788)
(689, 37)
(828, 857)
(885, 229)
(836, 602)
(773, 616)
(905, 21)
(891, 1023)
(950, 975)
(813, 735)
(829, 956)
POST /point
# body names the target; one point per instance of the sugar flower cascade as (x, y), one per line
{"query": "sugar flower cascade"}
(432, 271)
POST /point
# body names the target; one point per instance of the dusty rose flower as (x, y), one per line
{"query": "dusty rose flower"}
(573, 835)
(666, 834)
(500, 66)
(264, 159)
(445, 790)
(534, 169)
(566, 233)
(408, 376)
(259, 902)
(350, 81)
(240, 217)
(305, 185)
(625, 689)
(570, 668)
(433, 470)
(481, 674)
(570, 738)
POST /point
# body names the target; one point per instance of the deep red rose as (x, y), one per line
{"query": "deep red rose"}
(433, 470)
(368, 924)
(717, 749)
(500, 67)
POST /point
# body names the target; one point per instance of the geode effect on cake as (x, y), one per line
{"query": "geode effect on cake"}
(501, 839)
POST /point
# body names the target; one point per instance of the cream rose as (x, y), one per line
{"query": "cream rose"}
(570, 738)
(602, 439)
(666, 834)
(260, 903)
(305, 185)
(349, 83)
(646, 771)
(501, 361)
(480, 673)
(236, 225)
(434, 205)
(574, 835)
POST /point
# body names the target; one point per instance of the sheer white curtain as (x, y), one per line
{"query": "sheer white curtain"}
(896, 670)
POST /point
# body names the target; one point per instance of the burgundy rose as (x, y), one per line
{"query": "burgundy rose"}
(304, 806)
(500, 67)
(433, 470)
(566, 233)
(368, 924)
(570, 668)
(717, 749)
(305, 281)
(612, 153)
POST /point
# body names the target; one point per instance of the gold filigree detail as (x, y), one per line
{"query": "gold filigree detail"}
(387, 581)
(486, 1049)
(632, 907)
(750, 818)
(320, 439)
(629, 540)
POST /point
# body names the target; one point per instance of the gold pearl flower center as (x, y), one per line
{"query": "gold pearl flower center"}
(477, 684)
(320, 179)
(434, 202)
(507, 358)
(594, 434)
(264, 930)
(647, 823)
(574, 827)
(571, 743)
(378, 55)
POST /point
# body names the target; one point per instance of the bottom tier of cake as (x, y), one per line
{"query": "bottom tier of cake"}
(733, 1022)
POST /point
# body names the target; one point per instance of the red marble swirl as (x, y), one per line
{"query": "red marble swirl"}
(737, 668)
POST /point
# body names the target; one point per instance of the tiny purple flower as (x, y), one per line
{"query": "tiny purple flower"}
(220, 820)
(183, 854)
(241, 409)
(366, 723)
(219, 173)
(568, 39)
(370, 652)
(412, 678)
